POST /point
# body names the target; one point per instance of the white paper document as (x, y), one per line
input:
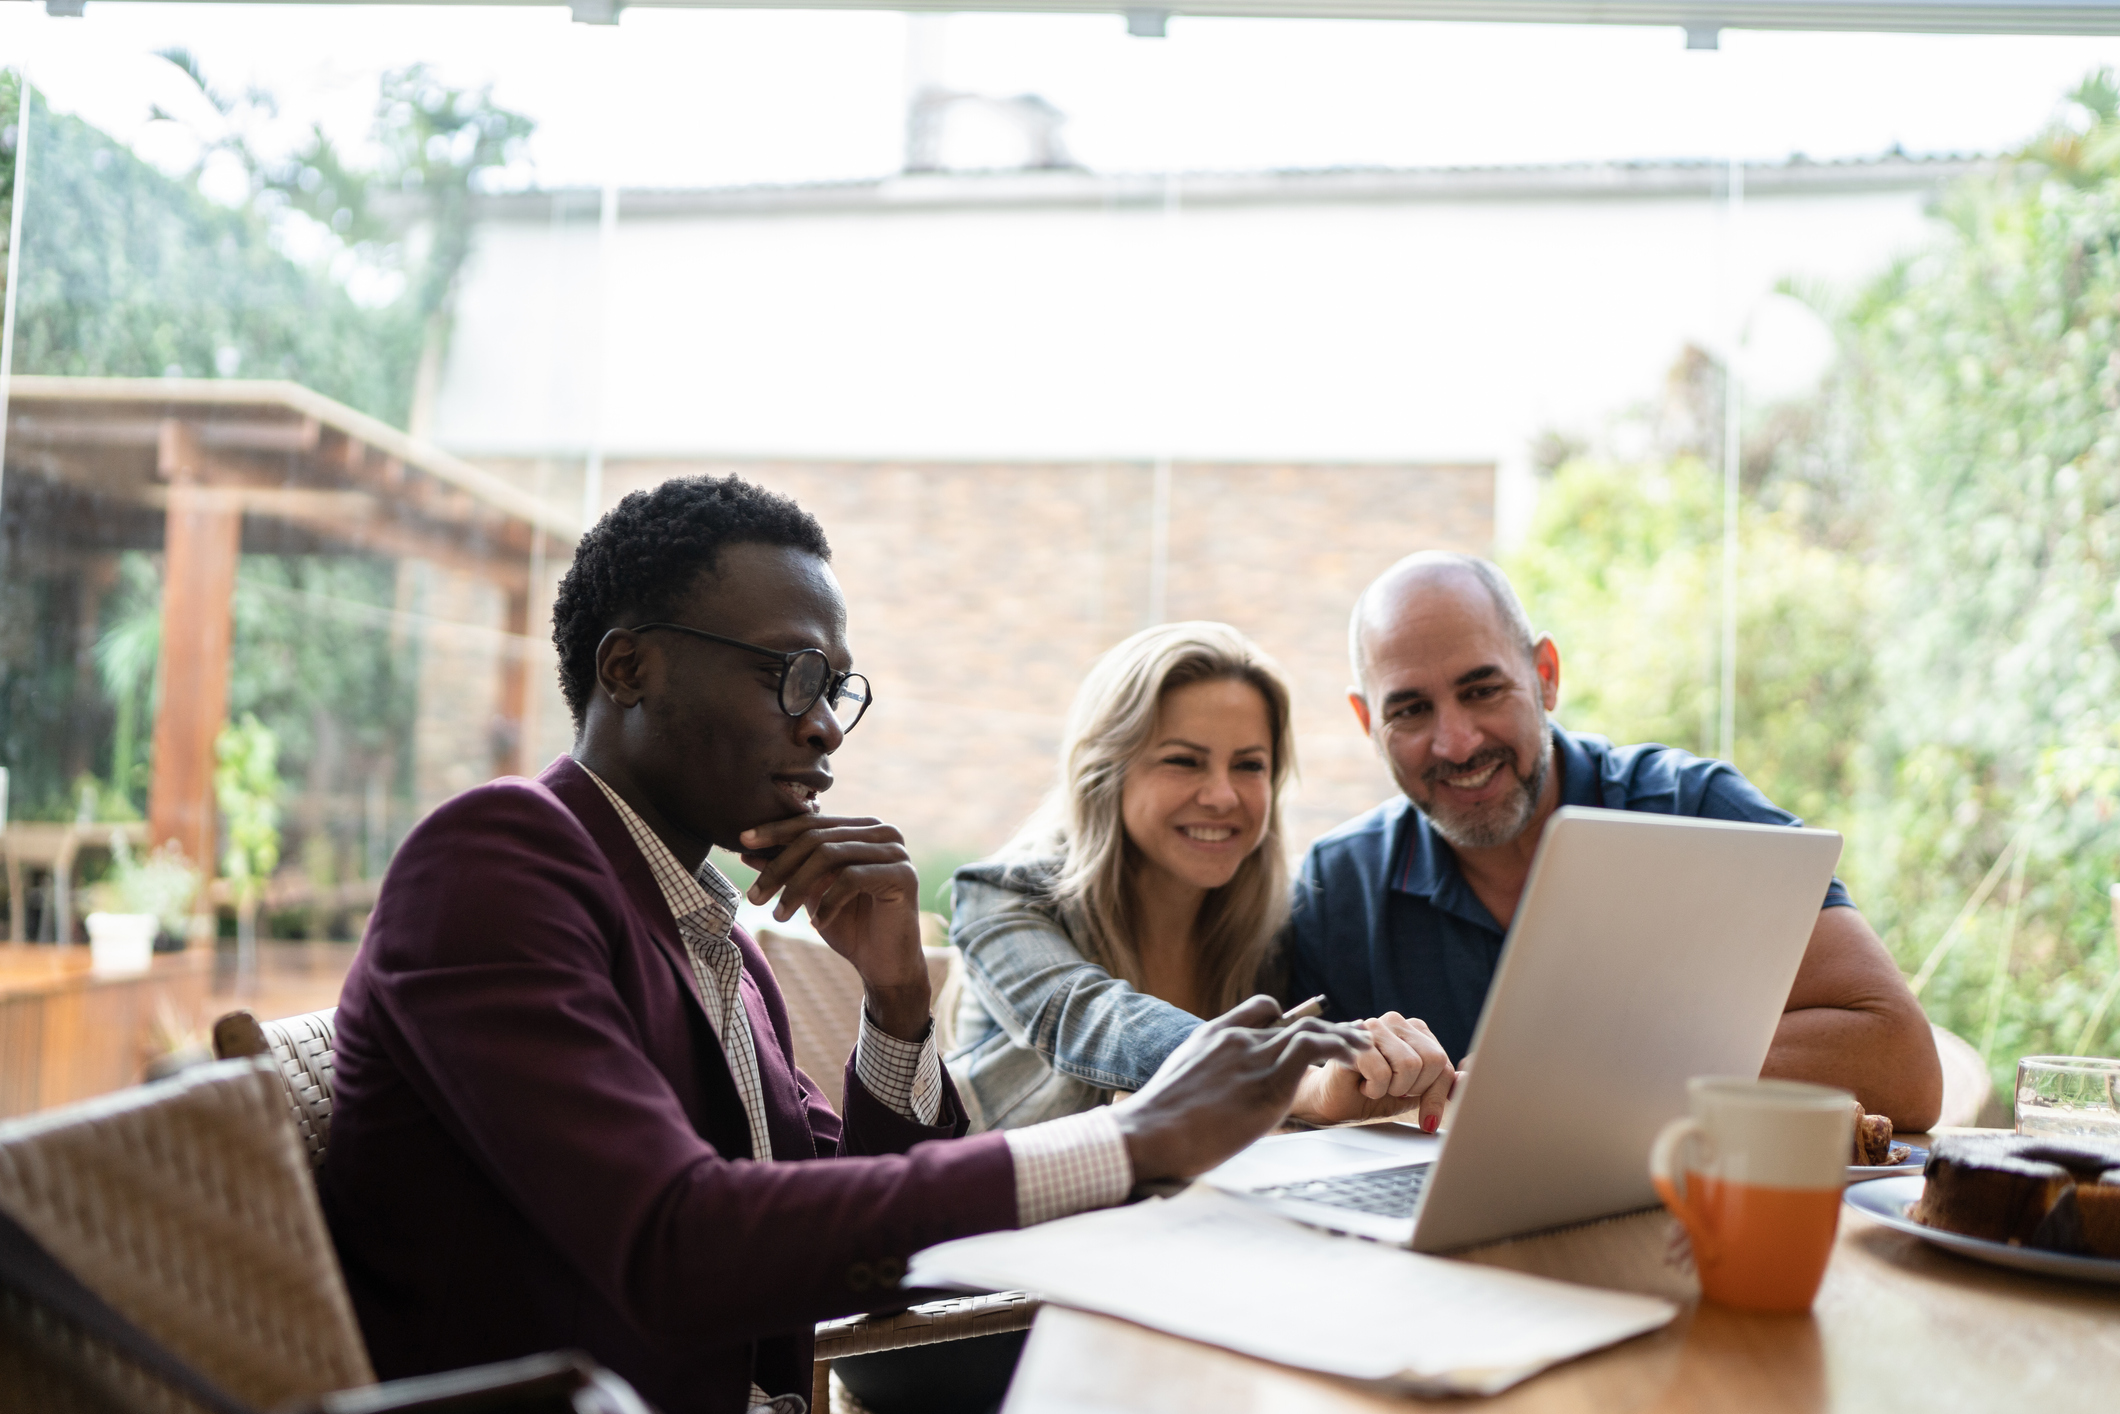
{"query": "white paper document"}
(1217, 1269)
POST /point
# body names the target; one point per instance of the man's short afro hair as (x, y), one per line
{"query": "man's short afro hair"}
(643, 557)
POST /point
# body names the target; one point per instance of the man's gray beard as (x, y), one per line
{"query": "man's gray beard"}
(1485, 834)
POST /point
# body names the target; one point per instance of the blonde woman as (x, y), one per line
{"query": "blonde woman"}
(1146, 894)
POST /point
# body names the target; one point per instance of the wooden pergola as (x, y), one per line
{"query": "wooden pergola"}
(202, 469)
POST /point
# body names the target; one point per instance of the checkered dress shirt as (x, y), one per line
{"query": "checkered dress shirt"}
(1065, 1166)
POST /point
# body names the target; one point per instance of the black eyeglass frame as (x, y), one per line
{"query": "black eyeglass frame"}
(828, 692)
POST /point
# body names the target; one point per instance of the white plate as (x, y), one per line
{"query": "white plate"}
(1888, 1199)
(1917, 1159)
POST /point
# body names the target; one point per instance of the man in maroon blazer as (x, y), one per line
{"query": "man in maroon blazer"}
(567, 1111)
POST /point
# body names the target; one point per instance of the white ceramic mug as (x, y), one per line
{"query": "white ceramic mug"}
(1755, 1173)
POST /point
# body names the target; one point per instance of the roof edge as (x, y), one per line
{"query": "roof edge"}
(279, 392)
(1075, 187)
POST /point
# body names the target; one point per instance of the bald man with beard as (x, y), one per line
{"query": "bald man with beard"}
(1404, 909)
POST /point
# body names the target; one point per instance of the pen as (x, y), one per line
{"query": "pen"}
(1314, 1007)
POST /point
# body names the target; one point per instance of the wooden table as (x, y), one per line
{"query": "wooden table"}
(53, 847)
(68, 1032)
(1899, 1325)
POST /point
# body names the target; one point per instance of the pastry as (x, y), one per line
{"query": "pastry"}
(1873, 1139)
(1982, 1189)
(2060, 1195)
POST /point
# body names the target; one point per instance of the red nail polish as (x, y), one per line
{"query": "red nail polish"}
(1428, 1123)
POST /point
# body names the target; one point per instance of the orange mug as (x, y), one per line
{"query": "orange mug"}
(1755, 1174)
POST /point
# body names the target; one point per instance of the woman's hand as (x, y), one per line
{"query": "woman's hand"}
(1405, 1068)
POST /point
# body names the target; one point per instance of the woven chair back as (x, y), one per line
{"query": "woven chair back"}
(823, 995)
(304, 1049)
(188, 1206)
(1967, 1087)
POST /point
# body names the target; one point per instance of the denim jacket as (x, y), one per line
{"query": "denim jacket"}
(1042, 1032)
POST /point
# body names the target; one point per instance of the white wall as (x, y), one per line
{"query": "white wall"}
(1406, 330)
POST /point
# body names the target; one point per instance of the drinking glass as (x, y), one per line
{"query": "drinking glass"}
(2069, 1095)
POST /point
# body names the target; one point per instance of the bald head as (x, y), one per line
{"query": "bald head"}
(1402, 589)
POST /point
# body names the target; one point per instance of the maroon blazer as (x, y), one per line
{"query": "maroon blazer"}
(536, 1142)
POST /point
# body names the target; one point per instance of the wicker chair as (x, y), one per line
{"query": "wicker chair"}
(823, 996)
(301, 1048)
(1967, 1086)
(187, 1206)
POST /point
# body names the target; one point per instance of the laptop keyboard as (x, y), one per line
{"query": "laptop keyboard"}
(1388, 1193)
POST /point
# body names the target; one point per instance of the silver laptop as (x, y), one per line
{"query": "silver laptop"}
(1646, 949)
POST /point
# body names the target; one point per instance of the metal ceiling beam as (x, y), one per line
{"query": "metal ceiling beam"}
(1699, 18)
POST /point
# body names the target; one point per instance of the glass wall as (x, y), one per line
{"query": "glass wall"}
(255, 627)
(330, 328)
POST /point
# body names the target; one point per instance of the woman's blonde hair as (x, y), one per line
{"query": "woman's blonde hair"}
(1110, 724)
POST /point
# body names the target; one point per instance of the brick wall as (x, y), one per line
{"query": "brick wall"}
(979, 594)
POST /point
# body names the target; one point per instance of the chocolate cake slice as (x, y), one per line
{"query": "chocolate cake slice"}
(2062, 1195)
(1980, 1187)
(2098, 1213)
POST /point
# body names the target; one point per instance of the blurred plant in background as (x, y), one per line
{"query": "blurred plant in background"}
(129, 272)
(339, 271)
(128, 662)
(1623, 567)
(322, 661)
(334, 267)
(1988, 389)
(1929, 631)
(164, 883)
(329, 662)
(936, 868)
(246, 783)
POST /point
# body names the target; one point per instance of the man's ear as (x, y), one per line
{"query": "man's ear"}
(1546, 658)
(620, 671)
(1356, 700)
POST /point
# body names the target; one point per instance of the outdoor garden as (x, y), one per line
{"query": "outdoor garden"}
(1929, 624)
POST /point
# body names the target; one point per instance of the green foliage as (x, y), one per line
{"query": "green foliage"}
(164, 884)
(10, 118)
(2084, 148)
(1929, 634)
(439, 146)
(127, 272)
(1623, 566)
(1985, 373)
(318, 661)
(438, 142)
(937, 867)
(246, 783)
(128, 663)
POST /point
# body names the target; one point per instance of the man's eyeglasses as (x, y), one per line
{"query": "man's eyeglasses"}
(805, 676)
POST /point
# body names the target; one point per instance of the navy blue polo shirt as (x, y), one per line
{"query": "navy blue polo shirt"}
(1383, 921)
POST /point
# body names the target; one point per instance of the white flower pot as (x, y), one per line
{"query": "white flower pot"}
(121, 942)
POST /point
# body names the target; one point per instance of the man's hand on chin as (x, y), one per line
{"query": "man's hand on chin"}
(863, 894)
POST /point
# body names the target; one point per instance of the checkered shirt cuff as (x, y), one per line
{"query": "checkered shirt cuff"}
(1069, 1166)
(905, 1075)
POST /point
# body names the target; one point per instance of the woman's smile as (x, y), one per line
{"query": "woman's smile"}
(1208, 834)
